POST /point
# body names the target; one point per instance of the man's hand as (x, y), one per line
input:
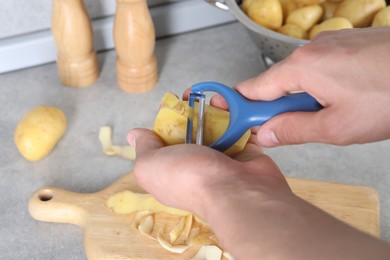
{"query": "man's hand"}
(347, 71)
(246, 201)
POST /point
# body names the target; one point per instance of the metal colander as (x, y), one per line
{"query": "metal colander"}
(273, 45)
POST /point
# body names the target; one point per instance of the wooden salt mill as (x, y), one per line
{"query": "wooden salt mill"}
(72, 30)
(134, 38)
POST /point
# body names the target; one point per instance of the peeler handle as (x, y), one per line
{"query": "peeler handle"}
(256, 113)
(245, 113)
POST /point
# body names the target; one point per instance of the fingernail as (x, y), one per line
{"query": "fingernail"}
(268, 138)
(131, 138)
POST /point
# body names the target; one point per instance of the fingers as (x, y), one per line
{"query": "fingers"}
(219, 101)
(216, 100)
(146, 166)
(144, 140)
(250, 152)
(272, 84)
(186, 93)
(293, 128)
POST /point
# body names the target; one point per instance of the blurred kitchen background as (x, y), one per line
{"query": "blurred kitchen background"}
(25, 37)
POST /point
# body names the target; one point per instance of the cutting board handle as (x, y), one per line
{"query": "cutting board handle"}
(55, 205)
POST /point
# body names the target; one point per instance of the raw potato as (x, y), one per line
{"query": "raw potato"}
(336, 23)
(170, 125)
(171, 122)
(288, 6)
(267, 13)
(293, 30)
(305, 17)
(39, 131)
(309, 2)
(329, 8)
(382, 18)
(359, 12)
(245, 5)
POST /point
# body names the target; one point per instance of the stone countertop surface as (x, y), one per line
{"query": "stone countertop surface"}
(225, 54)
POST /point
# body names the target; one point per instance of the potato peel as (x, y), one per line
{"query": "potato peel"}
(188, 226)
(125, 151)
(105, 134)
(208, 253)
(176, 231)
(203, 238)
(177, 249)
(227, 255)
(146, 225)
(139, 215)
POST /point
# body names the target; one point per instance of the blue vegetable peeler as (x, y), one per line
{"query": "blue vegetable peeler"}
(244, 113)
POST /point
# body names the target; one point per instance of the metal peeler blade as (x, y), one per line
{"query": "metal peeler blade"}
(193, 97)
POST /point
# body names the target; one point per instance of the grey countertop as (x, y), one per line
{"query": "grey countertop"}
(224, 54)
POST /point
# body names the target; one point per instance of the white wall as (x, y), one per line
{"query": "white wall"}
(25, 16)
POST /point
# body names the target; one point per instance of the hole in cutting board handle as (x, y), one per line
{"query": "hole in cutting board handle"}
(45, 195)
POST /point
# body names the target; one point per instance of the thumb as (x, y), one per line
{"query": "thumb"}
(271, 84)
(292, 128)
(144, 140)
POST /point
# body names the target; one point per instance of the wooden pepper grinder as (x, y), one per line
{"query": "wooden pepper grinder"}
(72, 30)
(134, 38)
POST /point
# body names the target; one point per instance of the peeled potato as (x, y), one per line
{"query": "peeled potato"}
(39, 131)
(170, 124)
(267, 13)
(359, 12)
(305, 17)
(382, 18)
(336, 23)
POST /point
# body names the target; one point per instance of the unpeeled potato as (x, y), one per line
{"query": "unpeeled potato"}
(309, 2)
(382, 18)
(245, 5)
(287, 7)
(300, 16)
(336, 23)
(305, 17)
(39, 131)
(329, 8)
(267, 13)
(359, 12)
(293, 30)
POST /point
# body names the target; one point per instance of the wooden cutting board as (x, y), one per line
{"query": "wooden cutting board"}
(110, 236)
